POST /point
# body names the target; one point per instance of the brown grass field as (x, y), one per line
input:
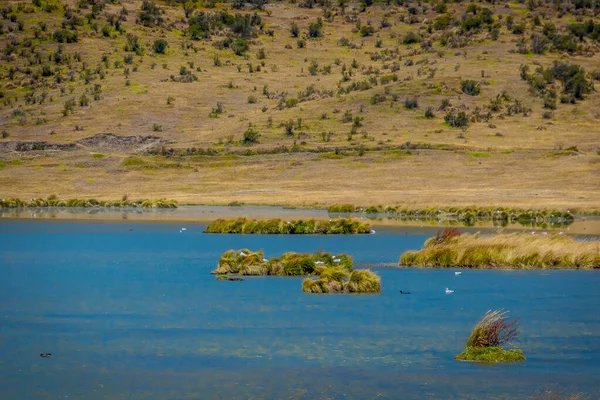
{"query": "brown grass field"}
(509, 160)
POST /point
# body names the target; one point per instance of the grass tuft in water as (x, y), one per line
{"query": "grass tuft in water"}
(488, 336)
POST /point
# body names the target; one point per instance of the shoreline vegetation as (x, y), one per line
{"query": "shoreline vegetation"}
(334, 274)
(450, 248)
(278, 226)
(490, 333)
(54, 201)
(469, 215)
(466, 215)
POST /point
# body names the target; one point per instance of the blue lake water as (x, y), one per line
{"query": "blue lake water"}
(135, 314)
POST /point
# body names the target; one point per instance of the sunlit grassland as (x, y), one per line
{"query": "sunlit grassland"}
(534, 175)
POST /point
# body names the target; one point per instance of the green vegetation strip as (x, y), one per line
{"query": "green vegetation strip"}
(464, 214)
(295, 227)
(54, 201)
(517, 250)
(490, 354)
(334, 274)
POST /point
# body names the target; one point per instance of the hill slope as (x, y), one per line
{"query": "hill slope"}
(302, 104)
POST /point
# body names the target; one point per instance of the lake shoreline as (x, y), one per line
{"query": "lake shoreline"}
(582, 225)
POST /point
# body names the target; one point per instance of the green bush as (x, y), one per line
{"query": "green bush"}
(457, 120)
(411, 37)
(470, 87)
(250, 136)
(160, 46)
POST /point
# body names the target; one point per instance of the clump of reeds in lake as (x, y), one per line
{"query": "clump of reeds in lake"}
(246, 262)
(54, 201)
(504, 250)
(293, 227)
(490, 333)
(336, 280)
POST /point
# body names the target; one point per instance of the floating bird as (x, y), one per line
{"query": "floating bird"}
(184, 229)
(457, 273)
(372, 230)
(337, 260)
(265, 260)
(242, 254)
(319, 262)
(46, 355)
(448, 291)
(401, 292)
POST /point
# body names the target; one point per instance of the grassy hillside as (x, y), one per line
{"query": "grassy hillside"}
(305, 103)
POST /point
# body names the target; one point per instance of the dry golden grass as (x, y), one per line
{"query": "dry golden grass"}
(515, 250)
(520, 167)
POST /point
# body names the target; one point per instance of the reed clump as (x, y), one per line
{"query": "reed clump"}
(294, 227)
(514, 250)
(247, 262)
(54, 201)
(490, 333)
(339, 280)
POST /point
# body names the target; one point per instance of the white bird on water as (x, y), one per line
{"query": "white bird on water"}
(457, 273)
(242, 254)
(448, 291)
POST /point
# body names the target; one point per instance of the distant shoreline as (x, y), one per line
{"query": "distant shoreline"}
(588, 225)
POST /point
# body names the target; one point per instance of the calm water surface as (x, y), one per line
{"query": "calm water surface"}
(135, 314)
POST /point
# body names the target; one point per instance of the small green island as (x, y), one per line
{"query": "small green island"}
(276, 226)
(451, 248)
(490, 333)
(334, 274)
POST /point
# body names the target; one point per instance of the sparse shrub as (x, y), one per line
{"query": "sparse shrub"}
(457, 120)
(160, 46)
(84, 101)
(150, 14)
(157, 128)
(411, 37)
(5, 134)
(261, 55)
(315, 29)
(539, 43)
(429, 113)
(470, 87)
(294, 30)
(250, 136)
(367, 30)
(252, 99)
(410, 103)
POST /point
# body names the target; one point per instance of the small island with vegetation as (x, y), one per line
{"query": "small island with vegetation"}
(335, 274)
(340, 280)
(247, 262)
(490, 333)
(294, 227)
(450, 248)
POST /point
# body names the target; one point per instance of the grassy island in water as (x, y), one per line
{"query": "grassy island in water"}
(293, 227)
(334, 274)
(450, 248)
